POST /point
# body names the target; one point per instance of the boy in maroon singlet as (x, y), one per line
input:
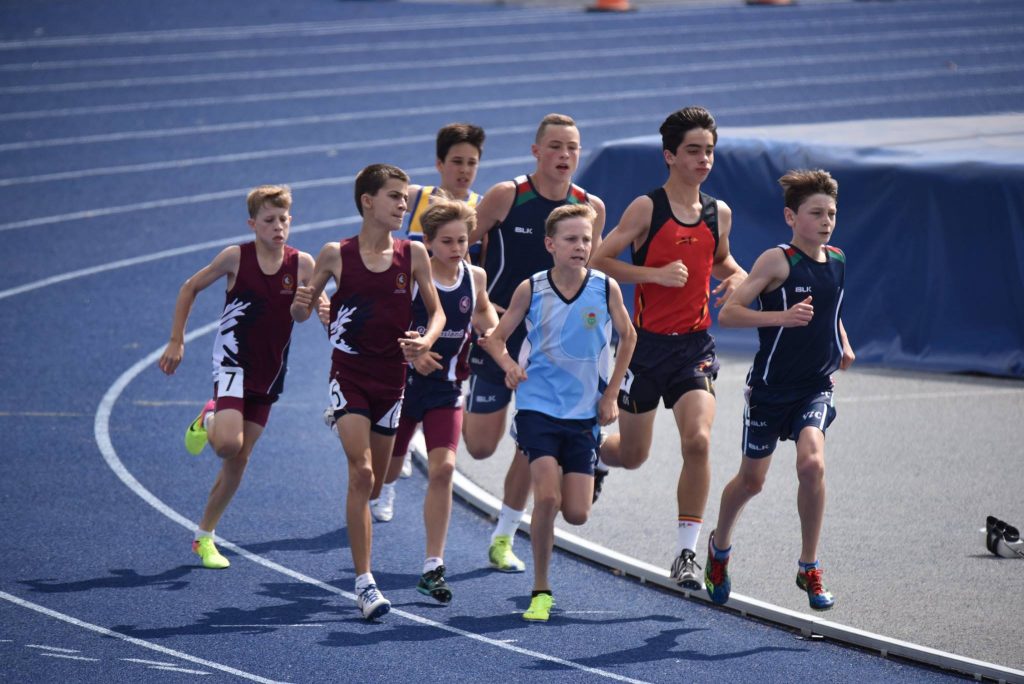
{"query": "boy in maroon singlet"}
(250, 352)
(369, 330)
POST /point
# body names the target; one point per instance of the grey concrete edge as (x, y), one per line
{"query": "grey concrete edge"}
(621, 564)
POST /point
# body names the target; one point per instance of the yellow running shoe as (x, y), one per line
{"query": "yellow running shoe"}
(501, 556)
(205, 549)
(540, 608)
(195, 436)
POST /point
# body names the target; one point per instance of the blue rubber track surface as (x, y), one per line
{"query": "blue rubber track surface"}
(129, 135)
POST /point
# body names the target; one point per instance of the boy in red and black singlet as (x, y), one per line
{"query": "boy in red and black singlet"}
(250, 351)
(370, 314)
(511, 216)
(679, 239)
(789, 395)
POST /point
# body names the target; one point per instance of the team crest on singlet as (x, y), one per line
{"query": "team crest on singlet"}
(287, 284)
(590, 319)
(464, 304)
(401, 283)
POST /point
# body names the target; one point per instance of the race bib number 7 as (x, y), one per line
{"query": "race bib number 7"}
(231, 382)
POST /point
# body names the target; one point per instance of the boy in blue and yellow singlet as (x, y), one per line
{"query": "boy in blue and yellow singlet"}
(562, 389)
(799, 287)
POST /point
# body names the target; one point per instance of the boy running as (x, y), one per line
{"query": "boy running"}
(562, 392)
(512, 217)
(799, 287)
(679, 239)
(370, 315)
(250, 351)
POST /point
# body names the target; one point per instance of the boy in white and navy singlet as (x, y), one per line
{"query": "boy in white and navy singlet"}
(563, 391)
(799, 287)
(250, 350)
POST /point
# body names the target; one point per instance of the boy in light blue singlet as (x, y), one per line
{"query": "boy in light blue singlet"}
(562, 389)
(799, 287)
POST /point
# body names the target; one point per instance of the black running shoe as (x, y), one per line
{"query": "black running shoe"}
(432, 584)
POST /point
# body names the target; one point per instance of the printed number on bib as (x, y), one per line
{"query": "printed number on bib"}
(231, 382)
(337, 398)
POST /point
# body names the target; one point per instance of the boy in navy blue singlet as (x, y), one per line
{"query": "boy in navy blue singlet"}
(250, 351)
(433, 389)
(678, 237)
(799, 287)
(370, 315)
(511, 217)
(563, 391)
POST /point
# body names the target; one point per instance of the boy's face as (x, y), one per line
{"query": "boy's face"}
(693, 159)
(388, 206)
(271, 225)
(571, 244)
(450, 243)
(558, 152)
(458, 169)
(814, 220)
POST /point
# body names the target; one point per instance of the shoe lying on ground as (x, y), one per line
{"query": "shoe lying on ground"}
(372, 602)
(432, 584)
(383, 507)
(686, 570)
(195, 435)
(817, 596)
(540, 608)
(205, 549)
(501, 556)
(716, 575)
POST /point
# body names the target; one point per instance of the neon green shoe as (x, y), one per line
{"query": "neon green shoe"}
(501, 556)
(195, 436)
(205, 549)
(540, 608)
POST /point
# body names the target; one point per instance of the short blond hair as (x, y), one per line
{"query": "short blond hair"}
(553, 120)
(443, 210)
(568, 211)
(279, 196)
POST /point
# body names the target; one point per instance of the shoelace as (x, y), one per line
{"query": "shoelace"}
(814, 581)
(434, 575)
(370, 594)
(716, 569)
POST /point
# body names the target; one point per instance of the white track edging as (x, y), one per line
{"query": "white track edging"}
(487, 503)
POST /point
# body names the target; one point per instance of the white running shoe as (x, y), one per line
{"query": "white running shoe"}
(383, 507)
(329, 420)
(372, 602)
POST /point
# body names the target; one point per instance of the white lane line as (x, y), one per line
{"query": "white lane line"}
(53, 648)
(463, 108)
(695, 66)
(158, 663)
(183, 670)
(102, 434)
(645, 32)
(275, 626)
(132, 640)
(69, 657)
(219, 195)
(468, 62)
(165, 254)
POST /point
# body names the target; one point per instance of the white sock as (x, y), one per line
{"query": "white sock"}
(387, 486)
(363, 581)
(508, 523)
(202, 533)
(432, 563)
(208, 420)
(687, 533)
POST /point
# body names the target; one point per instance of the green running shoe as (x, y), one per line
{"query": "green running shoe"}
(501, 556)
(195, 436)
(540, 608)
(432, 584)
(205, 549)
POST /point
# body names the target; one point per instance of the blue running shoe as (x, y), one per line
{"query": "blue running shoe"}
(716, 575)
(817, 596)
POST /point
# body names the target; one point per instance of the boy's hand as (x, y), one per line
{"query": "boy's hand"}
(727, 287)
(323, 309)
(171, 357)
(607, 410)
(514, 376)
(303, 297)
(413, 344)
(848, 357)
(425, 364)
(798, 315)
(484, 337)
(673, 274)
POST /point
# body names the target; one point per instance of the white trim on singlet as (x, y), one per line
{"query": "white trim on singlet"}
(775, 344)
(501, 262)
(835, 323)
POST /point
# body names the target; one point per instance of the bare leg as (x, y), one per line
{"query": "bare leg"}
(234, 445)
(437, 505)
(481, 432)
(743, 487)
(631, 446)
(354, 433)
(810, 498)
(694, 413)
(547, 500)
